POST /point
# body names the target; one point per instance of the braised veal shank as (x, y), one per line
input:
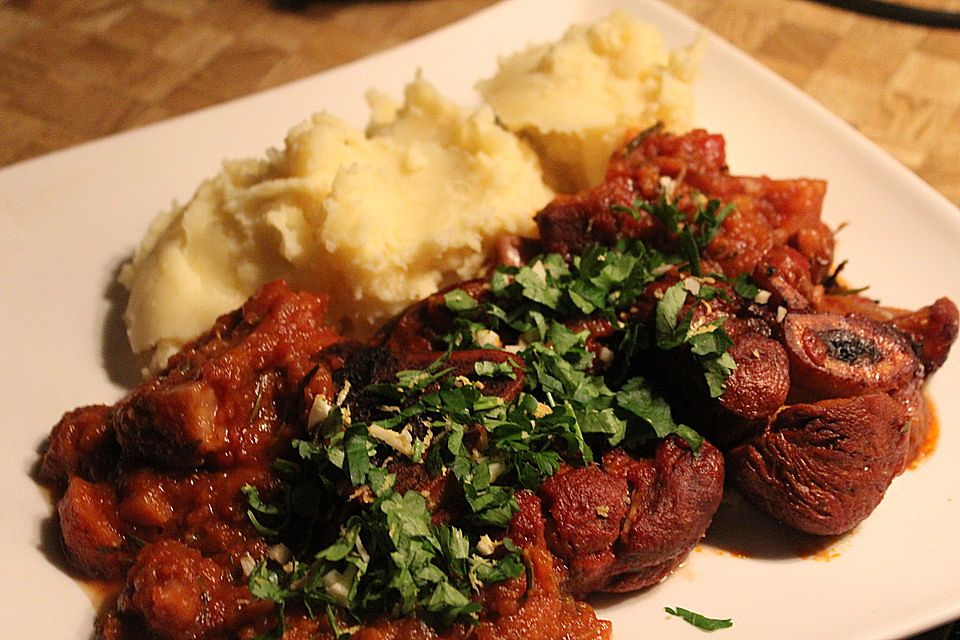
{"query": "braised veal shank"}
(822, 409)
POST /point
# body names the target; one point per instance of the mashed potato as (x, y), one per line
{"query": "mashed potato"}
(381, 218)
(376, 219)
(575, 99)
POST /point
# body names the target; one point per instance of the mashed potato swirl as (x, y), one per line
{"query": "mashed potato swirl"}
(574, 99)
(377, 219)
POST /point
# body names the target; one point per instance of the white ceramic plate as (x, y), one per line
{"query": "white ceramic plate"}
(69, 219)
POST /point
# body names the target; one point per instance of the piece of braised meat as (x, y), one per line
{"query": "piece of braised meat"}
(219, 400)
(82, 444)
(685, 168)
(822, 468)
(151, 490)
(173, 591)
(834, 356)
(631, 522)
(538, 605)
(419, 327)
(933, 329)
(802, 340)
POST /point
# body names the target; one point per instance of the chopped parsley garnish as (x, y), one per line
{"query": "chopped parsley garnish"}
(744, 288)
(692, 237)
(699, 621)
(707, 341)
(361, 549)
(389, 555)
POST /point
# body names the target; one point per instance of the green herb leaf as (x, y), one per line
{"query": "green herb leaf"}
(389, 555)
(459, 300)
(709, 342)
(698, 620)
(637, 398)
(606, 422)
(256, 503)
(691, 250)
(744, 288)
(708, 221)
(491, 369)
(265, 584)
(358, 448)
(536, 287)
(671, 329)
(257, 506)
(693, 237)
(716, 371)
(631, 210)
(665, 211)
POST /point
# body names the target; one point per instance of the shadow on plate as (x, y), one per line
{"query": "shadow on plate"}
(741, 529)
(102, 593)
(122, 365)
(49, 541)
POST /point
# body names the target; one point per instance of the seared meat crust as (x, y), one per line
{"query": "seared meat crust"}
(822, 468)
(628, 524)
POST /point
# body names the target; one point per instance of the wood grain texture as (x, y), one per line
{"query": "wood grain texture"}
(898, 84)
(74, 70)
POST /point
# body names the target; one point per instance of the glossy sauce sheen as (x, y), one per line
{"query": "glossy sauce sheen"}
(932, 436)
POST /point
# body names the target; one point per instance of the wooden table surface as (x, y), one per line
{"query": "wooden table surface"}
(75, 70)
